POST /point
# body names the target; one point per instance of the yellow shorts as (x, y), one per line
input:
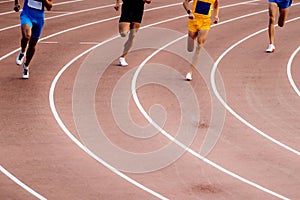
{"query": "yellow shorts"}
(197, 24)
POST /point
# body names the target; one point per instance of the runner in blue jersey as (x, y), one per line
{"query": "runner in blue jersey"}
(130, 22)
(283, 6)
(32, 22)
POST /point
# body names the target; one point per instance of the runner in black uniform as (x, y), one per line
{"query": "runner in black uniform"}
(130, 22)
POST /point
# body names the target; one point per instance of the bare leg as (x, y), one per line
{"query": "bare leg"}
(272, 16)
(282, 16)
(31, 50)
(134, 27)
(191, 41)
(202, 35)
(26, 35)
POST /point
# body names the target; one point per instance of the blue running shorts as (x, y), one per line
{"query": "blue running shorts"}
(36, 24)
(282, 3)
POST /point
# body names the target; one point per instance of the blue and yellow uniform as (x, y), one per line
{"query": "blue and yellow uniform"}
(202, 10)
(33, 15)
(282, 3)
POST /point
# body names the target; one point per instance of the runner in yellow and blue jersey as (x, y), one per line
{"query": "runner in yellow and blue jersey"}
(198, 26)
(283, 6)
(32, 22)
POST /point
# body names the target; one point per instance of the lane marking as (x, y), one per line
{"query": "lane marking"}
(55, 4)
(289, 71)
(53, 108)
(17, 181)
(7, 1)
(73, 43)
(229, 108)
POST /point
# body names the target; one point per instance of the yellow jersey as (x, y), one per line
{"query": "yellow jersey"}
(202, 8)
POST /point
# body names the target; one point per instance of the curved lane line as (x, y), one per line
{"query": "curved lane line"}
(229, 108)
(17, 181)
(56, 4)
(289, 71)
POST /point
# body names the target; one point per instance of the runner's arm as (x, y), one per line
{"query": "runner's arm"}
(117, 6)
(186, 5)
(216, 11)
(17, 6)
(48, 4)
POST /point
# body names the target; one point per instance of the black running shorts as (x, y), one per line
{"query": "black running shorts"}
(132, 11)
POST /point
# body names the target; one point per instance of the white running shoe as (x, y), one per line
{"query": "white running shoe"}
(188, 76)
(20, 58)
(271, 48)
(123, 61)
(25, 71)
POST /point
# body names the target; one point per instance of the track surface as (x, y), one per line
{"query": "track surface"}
(258, 142)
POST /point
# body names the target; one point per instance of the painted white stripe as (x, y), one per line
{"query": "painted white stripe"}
(7, 1)
(289, 71)
(213, 83)
(17, 181)
(55, 4)
(66, 2)
(51, 94)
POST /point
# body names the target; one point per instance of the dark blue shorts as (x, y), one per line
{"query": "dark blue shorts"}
(282, 3)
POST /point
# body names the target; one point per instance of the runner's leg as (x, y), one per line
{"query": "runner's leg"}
(272, 15)
(191, 40)
(134, 27)
(282, 16)
(26, 35)
(202, 35)
(31, 50)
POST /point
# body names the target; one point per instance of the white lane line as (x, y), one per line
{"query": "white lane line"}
(213, 83)
(289, 71)
(6, 1)
(51, 94)
(55, 4)
(66, 2)
(17, 181)
(73, 43)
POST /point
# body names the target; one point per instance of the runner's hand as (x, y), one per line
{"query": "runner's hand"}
(147, 1)
(17, 7)
(216, 20)
(191, 16)
(117, 6)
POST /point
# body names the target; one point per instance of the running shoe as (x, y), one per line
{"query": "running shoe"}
(188, 76)
(123, 61)
(25, 72)
(20, 58)
(271, 48)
